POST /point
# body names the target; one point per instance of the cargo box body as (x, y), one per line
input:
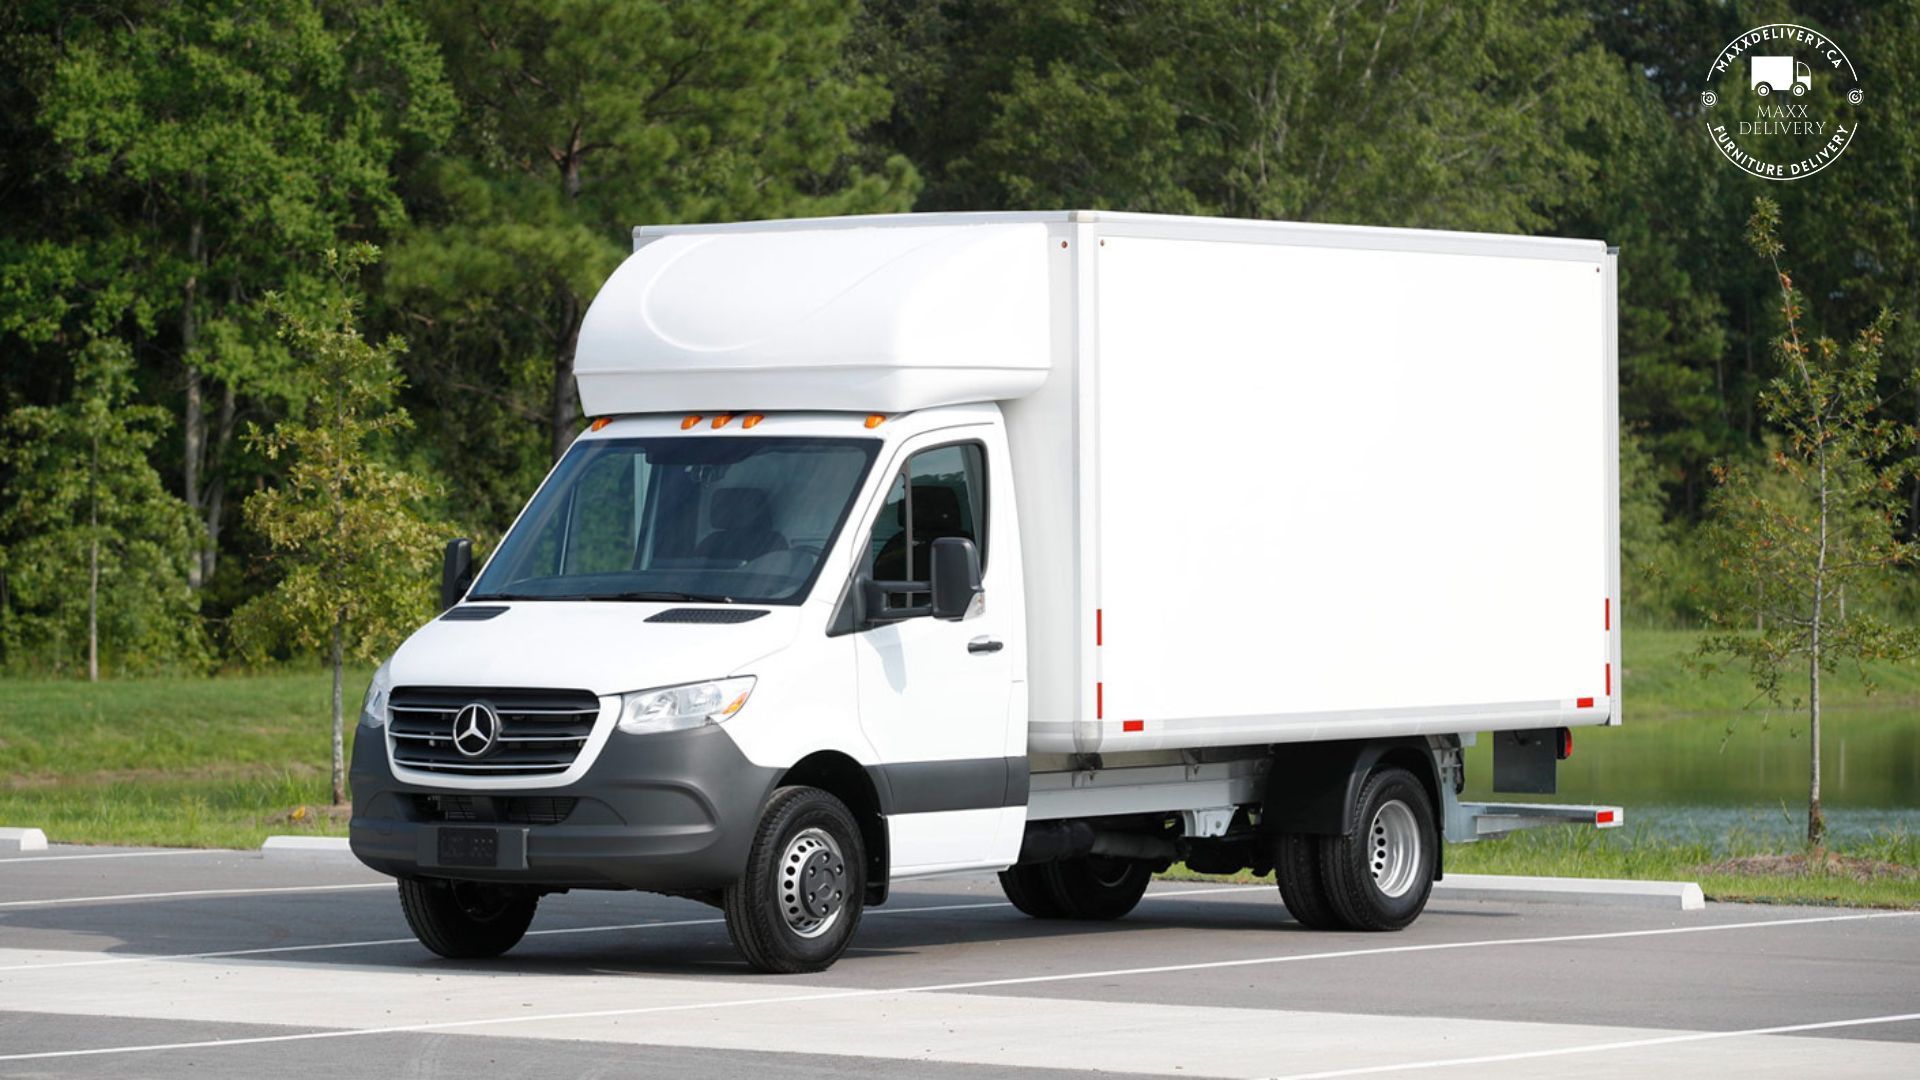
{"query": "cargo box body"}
(1292, 483)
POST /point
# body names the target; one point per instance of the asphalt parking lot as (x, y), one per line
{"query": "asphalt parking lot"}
(221, 964)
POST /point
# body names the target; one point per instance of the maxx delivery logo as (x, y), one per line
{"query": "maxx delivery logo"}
(1782, 101)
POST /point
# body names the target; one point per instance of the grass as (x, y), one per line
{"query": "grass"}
(194, 762)
(1660, 681)
(1881, 873)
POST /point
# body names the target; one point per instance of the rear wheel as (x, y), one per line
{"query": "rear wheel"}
(1098, 886)
(1303, 888)
(799, 902)
(1028, 889)
(467, 920)
(1378, 878)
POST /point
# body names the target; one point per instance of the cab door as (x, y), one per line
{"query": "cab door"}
(935, 694)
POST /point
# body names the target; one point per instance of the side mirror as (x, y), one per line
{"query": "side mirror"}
(956, 577)
(456, 572)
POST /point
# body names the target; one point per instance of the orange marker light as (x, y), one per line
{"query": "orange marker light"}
(875, 420)
(689, 422)
(722, 420)
(751, 420)
(602, 422)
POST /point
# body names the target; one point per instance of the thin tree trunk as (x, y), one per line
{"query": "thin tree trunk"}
(565, 409)
(339, 745)
(1816, 821)
(216, 482)
(93, 564)
(195, 419)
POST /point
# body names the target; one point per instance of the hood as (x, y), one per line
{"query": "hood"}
(601, 647)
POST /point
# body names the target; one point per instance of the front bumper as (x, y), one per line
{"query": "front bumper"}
(667, 812)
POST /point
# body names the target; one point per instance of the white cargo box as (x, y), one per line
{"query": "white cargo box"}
(1277, 482)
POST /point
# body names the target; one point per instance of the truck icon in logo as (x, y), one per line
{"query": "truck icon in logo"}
(1772, 73)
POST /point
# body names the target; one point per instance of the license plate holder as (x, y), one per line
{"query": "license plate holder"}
(470, 848)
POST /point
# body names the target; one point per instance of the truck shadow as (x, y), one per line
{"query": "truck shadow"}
(635, 934)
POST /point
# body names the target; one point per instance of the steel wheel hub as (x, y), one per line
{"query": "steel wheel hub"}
(812, 884)
(1393, 848)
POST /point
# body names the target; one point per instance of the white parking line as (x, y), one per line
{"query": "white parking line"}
(192, 892)
(953, 987)
(119, 855)
(1596, 1048)
(325, 946)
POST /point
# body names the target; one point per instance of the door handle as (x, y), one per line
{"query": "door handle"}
(981, 645)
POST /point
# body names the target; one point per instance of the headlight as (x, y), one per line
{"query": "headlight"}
(676, 708)
(373, 711)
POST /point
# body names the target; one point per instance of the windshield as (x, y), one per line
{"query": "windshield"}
(726, 519)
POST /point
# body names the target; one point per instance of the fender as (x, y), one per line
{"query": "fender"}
(1313, 786)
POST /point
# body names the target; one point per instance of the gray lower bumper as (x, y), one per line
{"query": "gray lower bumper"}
(669, 813)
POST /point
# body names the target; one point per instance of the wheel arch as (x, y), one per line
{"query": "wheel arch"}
(842, 777)
(1312, 787)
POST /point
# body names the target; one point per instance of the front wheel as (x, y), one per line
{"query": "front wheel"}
(1378, 877)
(467, 920)
(797, 905)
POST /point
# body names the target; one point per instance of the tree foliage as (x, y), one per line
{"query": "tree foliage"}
(1821, 517)
(581, 119)
(89, 534)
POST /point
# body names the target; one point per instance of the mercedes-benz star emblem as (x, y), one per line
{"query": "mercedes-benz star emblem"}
(475, 728)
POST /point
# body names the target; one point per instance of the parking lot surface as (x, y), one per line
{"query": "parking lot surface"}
(221, 964)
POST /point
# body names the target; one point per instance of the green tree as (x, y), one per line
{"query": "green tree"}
(581, 119)
(93, 550)
(183, 155)
(352, 548)
(1415, 115)
(1823, 514)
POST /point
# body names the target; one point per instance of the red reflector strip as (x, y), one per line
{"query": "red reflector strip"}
(1099, 629)
(1099, 701)
(1606, 619)
(1133, 725)
(1603, 817)
(1583, 703)
(1609, 678)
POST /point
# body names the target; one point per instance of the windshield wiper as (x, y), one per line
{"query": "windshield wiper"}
(670, 597)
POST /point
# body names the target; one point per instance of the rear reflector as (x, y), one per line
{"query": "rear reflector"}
(1563, 749)
(1133, 725)
(1603, 817)
(1583, 703)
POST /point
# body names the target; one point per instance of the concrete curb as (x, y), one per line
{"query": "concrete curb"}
(306, 849)
(1590, 892)
(22, 840)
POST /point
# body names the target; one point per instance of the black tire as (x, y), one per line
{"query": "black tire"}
(1303, 888)
(467, 920)
(1097, 886)
(1374, 880)
(783, 915)
(1029, 890)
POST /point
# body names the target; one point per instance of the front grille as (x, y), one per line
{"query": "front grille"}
(513, 809)
(541, 731)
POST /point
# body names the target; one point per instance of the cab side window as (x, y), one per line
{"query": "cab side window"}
(942, 492)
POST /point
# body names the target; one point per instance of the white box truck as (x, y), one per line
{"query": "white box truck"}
(1065, 545)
